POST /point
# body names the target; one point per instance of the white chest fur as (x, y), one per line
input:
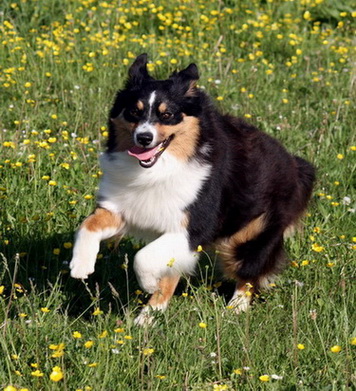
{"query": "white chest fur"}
(150, 199)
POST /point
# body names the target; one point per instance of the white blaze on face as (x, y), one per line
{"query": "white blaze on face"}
(147, 127)
(151, 101)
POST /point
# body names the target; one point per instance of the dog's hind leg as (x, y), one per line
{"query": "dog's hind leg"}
(253, 263)
(100, 225)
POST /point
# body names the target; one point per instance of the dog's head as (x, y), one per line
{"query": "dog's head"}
(150, 116)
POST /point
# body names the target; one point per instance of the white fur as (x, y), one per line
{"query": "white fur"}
(151, 101)
(144, 128)
(86, 248)
(151, 200)
(168, 255)
(240, 302)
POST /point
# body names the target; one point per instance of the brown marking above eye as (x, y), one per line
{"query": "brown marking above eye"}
(140, 105)
(162, 107)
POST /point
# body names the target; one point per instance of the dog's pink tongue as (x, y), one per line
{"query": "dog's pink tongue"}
(142, 153)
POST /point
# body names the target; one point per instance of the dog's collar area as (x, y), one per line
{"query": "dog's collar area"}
(148, 156)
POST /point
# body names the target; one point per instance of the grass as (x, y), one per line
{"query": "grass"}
(286, 66)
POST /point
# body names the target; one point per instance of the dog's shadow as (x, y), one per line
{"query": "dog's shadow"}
(41, 265)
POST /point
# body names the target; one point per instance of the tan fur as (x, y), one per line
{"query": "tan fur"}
(124, 129)
(166, 288)
(186, 137)
(227, 247)
(162, 108)
(140, 105)
(192, 88)
(101, 219)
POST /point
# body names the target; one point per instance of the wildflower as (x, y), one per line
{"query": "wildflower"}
(336, 349)
(88, 344)
(148, 351)
(353, 341)
(203, 325)
(317, 248)
(77, 335)
(264, 378)
(97, 312)
(128, 337)
(199, 249)
(104, 334)
(171, 262)
(237, 371)
(56, 251)
(37, 373)
(219, 387)
(340, 156)
(119, 330)
(52, 183)
(10, 388)
(56, 374)
(300, 346)
(93, 365)
(2, 288)
(45, 309)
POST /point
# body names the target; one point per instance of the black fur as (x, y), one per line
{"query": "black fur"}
(252, 173)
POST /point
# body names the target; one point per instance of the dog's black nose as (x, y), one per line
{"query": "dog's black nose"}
(144, 138)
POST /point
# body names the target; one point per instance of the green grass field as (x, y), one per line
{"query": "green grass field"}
(288, 67)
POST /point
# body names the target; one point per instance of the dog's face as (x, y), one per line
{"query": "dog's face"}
(150, 116)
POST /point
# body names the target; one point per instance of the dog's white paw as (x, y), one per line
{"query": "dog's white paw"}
(81, 269)
(240, 302)
(145, 318)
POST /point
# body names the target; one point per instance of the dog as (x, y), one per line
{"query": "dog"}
(181, 175)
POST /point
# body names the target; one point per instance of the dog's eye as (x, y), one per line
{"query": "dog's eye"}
(135, 112)
(166, 115)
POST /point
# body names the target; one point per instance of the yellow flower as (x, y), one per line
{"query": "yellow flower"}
(56, 251)
(203, 325)
(77, 335)
(2, 288)
(336, 348)
(103, 334)
(56, 374)
(119, 330)
(67, 245)
(10, 388)
(89, 344)
(353, 341)
(264, 378)
(148, 351)
(317, 248)
(199, 249)
(45, 309)
(340, 156)
(97, 312)
(93, 365)
(127, 337)
(37, 373)
(300, 346)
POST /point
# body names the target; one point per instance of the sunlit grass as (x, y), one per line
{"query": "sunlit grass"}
(286, 66)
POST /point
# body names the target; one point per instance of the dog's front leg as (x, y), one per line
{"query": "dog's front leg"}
(158, 267)
(100, 225)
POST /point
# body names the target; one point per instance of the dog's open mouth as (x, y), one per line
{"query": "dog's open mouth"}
(149, 156)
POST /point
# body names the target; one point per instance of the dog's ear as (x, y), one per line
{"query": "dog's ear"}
(186, 80)
(138, 71)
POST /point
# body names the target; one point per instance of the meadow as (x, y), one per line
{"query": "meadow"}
(287, 66)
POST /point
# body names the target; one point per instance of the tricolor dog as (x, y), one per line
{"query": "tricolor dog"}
(179, 174)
